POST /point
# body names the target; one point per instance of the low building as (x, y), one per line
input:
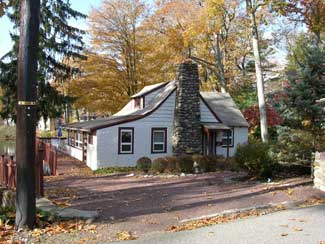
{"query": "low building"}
(171, 118)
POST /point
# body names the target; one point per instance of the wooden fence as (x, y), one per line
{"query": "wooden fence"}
(46, 157)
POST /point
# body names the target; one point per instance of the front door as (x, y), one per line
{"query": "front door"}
(209, 142)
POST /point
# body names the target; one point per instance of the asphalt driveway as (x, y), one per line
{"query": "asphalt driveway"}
(142, 205)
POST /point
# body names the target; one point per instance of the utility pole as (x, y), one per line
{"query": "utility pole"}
(26, 113)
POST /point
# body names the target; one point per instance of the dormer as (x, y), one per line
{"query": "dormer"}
(138, 103)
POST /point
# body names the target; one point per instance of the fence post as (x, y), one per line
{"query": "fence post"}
(2, 170)
(14, 171)
(39, 169)
(9, 174)
(55, 161)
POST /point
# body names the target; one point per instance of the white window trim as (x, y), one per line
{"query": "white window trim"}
(79, 142)
(126, 143)
(164, 150)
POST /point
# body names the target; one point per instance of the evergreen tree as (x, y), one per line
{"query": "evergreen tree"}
(59, 42)
(306, 77)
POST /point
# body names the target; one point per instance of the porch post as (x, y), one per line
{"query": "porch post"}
(227, 145)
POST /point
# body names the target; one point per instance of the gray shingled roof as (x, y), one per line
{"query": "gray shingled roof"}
(225, 108)
(220, 103)
(147, 89)
(114, 120)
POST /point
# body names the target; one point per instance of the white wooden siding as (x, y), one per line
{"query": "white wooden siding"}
(206, 115)
(92, 154)
(74, 152)
(107, 138)
(104, 150)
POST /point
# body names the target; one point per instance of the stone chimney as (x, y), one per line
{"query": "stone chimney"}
(187, 137)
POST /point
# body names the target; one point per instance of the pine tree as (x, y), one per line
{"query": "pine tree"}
(306, 77)
(59, 41)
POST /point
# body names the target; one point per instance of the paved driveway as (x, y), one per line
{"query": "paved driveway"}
(301, 226)
(146, 205)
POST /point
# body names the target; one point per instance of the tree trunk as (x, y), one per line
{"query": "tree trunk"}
(259, 74)
(26, 114)
(220, 65)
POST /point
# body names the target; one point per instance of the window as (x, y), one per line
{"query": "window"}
(158, 140)
(78, 140)
(126, 140)
(137, 103)
(227, 138)
(71, 135)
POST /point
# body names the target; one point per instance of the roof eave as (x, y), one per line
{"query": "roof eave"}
(149, 91)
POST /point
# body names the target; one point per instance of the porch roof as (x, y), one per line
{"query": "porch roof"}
(215, 126)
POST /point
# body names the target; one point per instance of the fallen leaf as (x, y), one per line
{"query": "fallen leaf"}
(302, 220)
(125, 236)
(284, 226)
(290, 192)
(284, 234)
(83, 240)
(297, 228)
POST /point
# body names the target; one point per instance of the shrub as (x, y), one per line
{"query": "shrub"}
(171, 165)
(216, 162)
(185, 163)
(159, 165)
(144, 164)
(255, 158)
(211, 163)
(294, 146)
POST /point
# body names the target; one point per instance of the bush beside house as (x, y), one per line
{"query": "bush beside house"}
(144, 164)
(185, 164)
(255, 158)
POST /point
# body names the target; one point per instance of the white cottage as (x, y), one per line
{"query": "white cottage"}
(164, 119)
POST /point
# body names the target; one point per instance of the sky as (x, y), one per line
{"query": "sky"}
(6, 27)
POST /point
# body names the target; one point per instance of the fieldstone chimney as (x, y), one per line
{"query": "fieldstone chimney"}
(187, 138)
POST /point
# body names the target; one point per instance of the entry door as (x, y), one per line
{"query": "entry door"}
(209, 143)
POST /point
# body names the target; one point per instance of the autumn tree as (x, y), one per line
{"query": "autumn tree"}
(121, 60)
(308, 12)
(213, 33)
(98, 89)
(114, 33)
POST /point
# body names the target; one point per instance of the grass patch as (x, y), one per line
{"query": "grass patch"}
(114, 170)
(7, 132)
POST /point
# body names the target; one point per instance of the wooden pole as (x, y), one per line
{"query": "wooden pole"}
(26, 113)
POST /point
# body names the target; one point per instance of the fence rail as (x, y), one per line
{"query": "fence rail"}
(46, 158)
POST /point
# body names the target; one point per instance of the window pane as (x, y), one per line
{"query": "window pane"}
(226, 142)
(158, 147)
(158, 136)
(126, 136)
(226, 133)
(126, 148)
